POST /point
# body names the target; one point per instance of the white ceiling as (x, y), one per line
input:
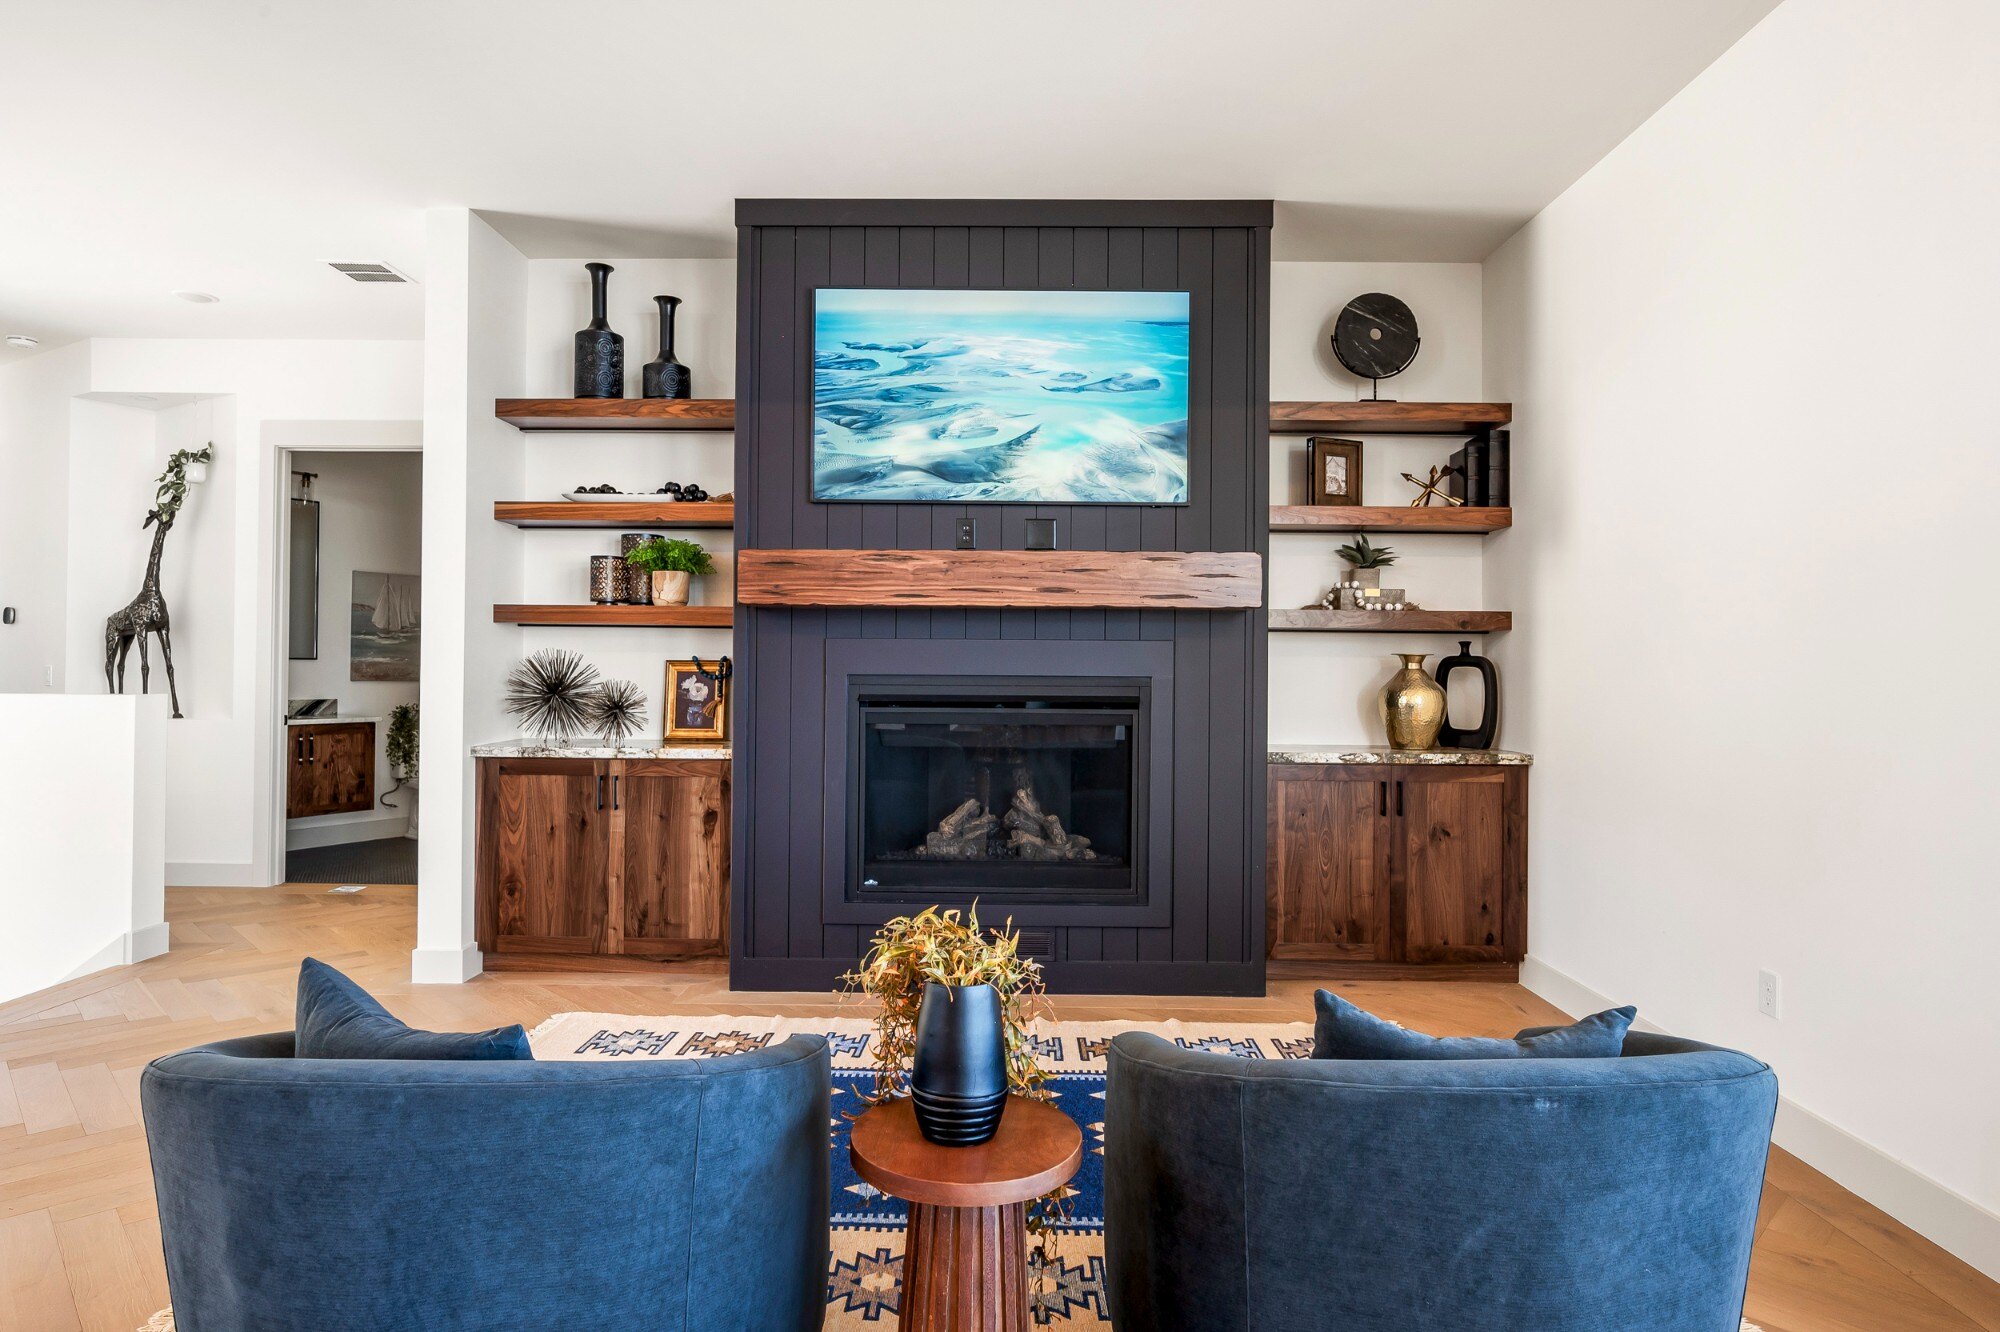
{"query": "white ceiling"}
(234, 147)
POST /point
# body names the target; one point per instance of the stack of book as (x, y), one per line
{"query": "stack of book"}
(1479, 472)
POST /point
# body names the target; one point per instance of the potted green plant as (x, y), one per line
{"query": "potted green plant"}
(672, 562)
(952, 1030)
(1365, 562)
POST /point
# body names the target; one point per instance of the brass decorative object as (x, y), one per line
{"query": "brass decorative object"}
(1412, 705)
(1432, 487)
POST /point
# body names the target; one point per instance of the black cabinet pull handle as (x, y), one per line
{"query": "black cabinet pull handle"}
(600, 792)
(1399, 800)
(614, 793)
(312, 748)
(1382, 799)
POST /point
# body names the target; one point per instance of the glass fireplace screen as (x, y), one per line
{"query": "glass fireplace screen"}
(1014, 800)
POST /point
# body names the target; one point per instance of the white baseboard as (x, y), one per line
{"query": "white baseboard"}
(201, 874)
(340, 834)
(446, 966)
(1941, 1214)
(146, 941)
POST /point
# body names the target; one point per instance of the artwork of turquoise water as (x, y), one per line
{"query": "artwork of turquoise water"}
(1026, 397)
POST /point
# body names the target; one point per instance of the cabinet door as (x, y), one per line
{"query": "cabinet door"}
(674, 859)
(546, 844)
(1455, 866)
(1329, 864)
(331, 770)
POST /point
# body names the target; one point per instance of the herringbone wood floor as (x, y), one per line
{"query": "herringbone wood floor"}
(79, 1233)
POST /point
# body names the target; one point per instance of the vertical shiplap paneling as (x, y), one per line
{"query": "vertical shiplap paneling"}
(742, 830)
(1257, 416)
(774, 486)
(985, 270)
(813, 260)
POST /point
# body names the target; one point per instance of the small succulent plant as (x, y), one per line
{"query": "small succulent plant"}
(1363, 555)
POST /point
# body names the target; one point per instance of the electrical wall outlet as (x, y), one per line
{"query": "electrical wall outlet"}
(968, 533)
(49, 676)
(1767, 993)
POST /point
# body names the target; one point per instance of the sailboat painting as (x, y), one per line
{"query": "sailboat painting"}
(387, 618)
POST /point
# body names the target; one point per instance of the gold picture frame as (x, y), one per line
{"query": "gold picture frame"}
(697, 702)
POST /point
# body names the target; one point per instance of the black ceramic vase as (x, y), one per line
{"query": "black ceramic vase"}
(1482, 735)
(600, 353)
(664, 376)
(958, 1078)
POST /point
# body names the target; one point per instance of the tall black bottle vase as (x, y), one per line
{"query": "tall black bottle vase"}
(600, 353)
(1483, 735)
(958, 1075)
(664, 376)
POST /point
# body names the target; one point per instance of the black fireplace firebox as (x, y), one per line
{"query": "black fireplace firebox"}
(1034, 794)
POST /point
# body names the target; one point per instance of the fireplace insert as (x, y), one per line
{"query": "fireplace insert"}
(1027, 794)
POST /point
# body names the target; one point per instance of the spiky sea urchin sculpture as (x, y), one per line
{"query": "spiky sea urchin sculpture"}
(550, 694)
(617, 709)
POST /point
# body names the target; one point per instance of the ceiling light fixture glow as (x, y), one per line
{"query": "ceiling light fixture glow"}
(198, 297)
(23, 341)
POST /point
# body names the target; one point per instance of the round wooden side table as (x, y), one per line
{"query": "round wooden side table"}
(965, 1256)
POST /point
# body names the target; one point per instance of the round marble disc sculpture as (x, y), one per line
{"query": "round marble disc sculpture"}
(1376, 336)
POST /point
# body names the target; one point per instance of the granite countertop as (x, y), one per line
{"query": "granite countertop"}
(584, 749)
(1461, 758)
(330, 721)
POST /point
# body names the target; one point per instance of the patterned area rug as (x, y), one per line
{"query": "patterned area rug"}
(865, 1276)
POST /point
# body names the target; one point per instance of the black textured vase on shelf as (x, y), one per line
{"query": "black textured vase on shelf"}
(1483, 735)
(958, 1077)
(600, 353)
(664, 376)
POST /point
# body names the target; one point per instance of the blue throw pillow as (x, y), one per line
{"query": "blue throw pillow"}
(337, 1019)
(1346, 1032)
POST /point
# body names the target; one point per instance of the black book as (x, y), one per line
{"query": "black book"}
(1475, 474)
(1499, 492)
(1454, 485)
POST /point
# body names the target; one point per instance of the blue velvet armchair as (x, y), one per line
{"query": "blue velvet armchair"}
(404, 1194)
(1530, 1195)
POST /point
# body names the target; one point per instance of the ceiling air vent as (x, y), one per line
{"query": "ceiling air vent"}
(369, 272)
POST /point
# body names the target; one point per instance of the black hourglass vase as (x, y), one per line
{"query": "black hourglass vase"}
(600, 353)
(664, 376)
(1483, 735)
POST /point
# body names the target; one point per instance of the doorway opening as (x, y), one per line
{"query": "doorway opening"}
(351, 561)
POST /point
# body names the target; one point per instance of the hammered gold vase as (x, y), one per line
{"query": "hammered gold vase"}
(1412, 705)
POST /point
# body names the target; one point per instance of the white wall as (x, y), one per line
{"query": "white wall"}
(1324, 686)
(370, 520)
(34, 477)
(1749, 354)
(84, 886)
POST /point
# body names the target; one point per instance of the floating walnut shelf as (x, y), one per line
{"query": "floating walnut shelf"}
(617, 413)
(1389, 418)
(637, 512)
(688, 617)
(1388, 518)
(1393, 622)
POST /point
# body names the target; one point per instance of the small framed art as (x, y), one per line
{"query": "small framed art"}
(698, 700)
(1333, 470)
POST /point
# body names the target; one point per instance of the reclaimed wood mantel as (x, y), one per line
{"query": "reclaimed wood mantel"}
(1043, 579)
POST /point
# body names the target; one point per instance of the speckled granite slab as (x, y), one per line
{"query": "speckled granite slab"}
(1450, 758)
(531, 749)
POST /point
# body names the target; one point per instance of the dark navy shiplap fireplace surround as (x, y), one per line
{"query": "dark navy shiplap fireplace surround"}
(1191, 920)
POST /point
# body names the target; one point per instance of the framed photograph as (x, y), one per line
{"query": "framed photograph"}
(697, 702)
(1333, 470)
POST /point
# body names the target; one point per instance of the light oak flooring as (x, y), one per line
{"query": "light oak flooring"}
(79, 1233)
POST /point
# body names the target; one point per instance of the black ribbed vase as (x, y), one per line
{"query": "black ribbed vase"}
(664, 376)
(958, 1078)
(600, 353)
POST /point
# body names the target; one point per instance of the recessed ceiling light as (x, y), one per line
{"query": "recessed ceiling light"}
(198, 297)
(22, 340)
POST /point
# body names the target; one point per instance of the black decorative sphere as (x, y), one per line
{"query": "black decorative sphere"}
(1376, 336)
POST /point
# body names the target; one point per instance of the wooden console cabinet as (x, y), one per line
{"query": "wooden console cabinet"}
(1399, 865)
(330, 768)
(603, 858)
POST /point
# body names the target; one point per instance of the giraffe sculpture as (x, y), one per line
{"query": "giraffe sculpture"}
(147, 612)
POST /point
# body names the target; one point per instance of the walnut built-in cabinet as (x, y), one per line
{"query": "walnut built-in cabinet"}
(1399, 866)
(602, 859)
(329, 769)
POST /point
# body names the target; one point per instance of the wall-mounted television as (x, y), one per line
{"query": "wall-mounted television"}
(1006, 397)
